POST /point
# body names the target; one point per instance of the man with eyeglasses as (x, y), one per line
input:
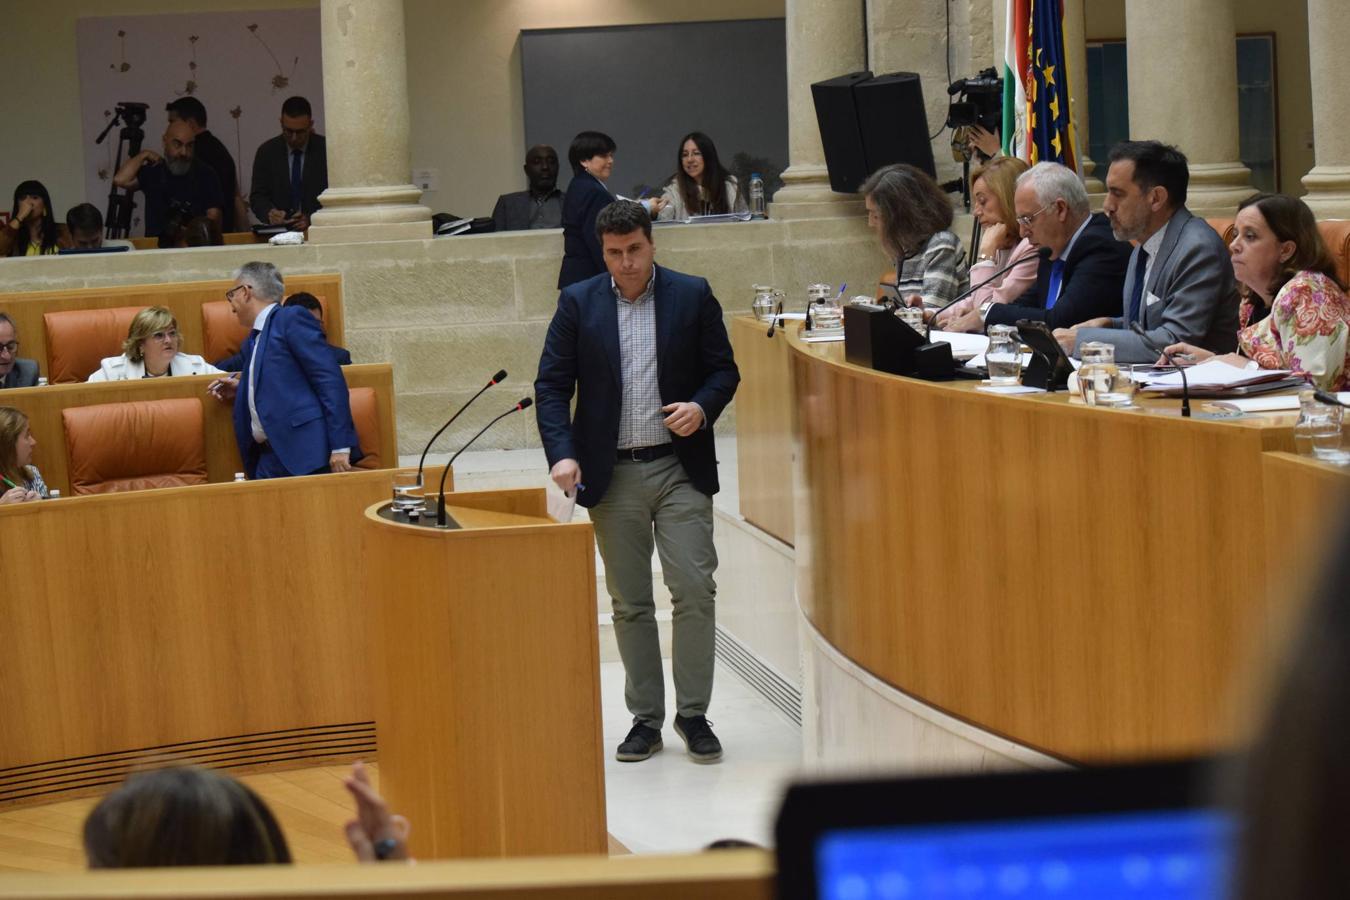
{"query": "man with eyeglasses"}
(1085, 271)
(290, 171)
(14, 372)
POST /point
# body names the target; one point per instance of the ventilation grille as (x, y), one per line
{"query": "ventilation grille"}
(782, 693)
(264, 750)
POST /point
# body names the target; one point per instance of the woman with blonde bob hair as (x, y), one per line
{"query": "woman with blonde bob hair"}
(991, 189)
(21, 480)
(151, 350)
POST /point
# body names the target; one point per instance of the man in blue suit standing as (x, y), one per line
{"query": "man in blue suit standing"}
(292, 410)
(645, 350)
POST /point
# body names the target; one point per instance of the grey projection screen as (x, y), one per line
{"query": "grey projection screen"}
(648, 85)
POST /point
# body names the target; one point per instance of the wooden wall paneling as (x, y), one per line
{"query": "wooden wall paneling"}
(43, 407)
(764, 415)
(226, 622)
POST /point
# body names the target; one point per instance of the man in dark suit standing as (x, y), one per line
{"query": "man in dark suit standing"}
(1083, 276)
(646, 352)
(292, 410)
(290, 171)
(14, 372)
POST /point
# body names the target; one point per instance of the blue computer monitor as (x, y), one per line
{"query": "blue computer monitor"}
(1140, 832)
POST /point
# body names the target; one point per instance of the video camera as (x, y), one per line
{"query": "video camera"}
(980, 102)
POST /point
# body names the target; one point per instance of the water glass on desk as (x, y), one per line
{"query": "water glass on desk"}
(911, 316)
(1317, 433)
(1003, 358)
(407, 491)
(1103, 382)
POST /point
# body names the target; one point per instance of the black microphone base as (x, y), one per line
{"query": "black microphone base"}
(425, 518)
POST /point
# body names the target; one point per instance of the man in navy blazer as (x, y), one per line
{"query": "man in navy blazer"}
(292, 409)
(1083, 275)
(646, 353)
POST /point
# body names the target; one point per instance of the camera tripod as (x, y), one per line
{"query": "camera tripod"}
(121, 205)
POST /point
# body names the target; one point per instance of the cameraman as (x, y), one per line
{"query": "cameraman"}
(174, 178)
(983, 145)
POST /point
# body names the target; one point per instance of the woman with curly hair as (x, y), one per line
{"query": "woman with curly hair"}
(1295, 314)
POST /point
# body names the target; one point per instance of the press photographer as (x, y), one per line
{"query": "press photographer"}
(975, 116)
(173, 178)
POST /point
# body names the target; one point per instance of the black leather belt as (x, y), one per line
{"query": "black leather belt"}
(646, 454)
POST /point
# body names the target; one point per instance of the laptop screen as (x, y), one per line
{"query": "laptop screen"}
(1138, 831)
(1176, 855)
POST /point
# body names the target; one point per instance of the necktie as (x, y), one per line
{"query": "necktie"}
(1056, 281)
(297, 160)
(1137, 289)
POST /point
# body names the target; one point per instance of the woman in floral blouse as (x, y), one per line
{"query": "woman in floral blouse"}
(1295, 313)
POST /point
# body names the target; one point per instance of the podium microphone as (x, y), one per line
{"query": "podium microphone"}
(441, 518)
(1185, 388)
(1041, 255)
(496, 379)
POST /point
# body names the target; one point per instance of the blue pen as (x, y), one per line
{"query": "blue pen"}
(645, 192)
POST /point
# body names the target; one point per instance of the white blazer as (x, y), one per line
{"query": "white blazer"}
(119, 368)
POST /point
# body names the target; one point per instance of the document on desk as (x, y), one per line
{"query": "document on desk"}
(1213, 373)
(1009, 389)
(964, 346)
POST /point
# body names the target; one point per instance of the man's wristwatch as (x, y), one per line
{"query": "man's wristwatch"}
(984, 309)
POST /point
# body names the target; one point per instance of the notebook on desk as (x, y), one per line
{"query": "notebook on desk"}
(1141, 831)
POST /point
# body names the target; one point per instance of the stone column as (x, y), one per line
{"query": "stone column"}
(1328, 183)
(1183, 90)
(825, 38)
(1075, 48)
(365, 82)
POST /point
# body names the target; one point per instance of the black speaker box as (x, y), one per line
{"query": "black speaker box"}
(866, 123)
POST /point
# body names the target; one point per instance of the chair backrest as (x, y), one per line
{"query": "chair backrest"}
(79, 339)
(1225, 227)
(366, 417)
(1336, 232)
(134, 446)
(222, 335)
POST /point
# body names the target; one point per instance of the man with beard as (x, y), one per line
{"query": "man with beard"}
(174, 184)
(541, 205)
(1179, 286)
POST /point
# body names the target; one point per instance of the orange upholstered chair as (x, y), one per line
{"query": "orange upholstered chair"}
(365, 416)
(1336, 232)
(133, 446)
(79, 339)
(222, 335)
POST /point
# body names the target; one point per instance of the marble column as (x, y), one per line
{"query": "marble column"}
(1075, 48)
(370, 196)
(1183, 91)
(1328, 183)
(825, 38)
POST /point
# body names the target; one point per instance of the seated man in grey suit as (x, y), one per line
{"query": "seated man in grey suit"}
(1179, 285)
(14, 372)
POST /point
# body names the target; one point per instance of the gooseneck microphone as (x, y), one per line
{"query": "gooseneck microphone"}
(496, 379)
(1185, 388)
(441, 520)
(1041, 255)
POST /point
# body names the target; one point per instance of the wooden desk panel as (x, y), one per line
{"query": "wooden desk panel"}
(1306, 504)
(225, 623)
(43, 407)
(764, 426)
(184, 299)
(1083, 581)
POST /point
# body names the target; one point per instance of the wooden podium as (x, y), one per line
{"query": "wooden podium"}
(487, 689)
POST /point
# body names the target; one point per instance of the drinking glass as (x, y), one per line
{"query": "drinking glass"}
(407, 491)
(1102, 381)
(911, 316)
(1003, 358)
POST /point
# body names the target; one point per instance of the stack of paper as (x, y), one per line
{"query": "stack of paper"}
(1212, 374)
(964, 346)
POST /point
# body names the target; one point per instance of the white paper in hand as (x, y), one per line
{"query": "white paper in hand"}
(560, 505)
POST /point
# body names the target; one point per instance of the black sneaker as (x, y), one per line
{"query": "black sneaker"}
(641, 743)
(702, 744)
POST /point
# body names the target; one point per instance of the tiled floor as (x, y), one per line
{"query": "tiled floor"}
(669, 803)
